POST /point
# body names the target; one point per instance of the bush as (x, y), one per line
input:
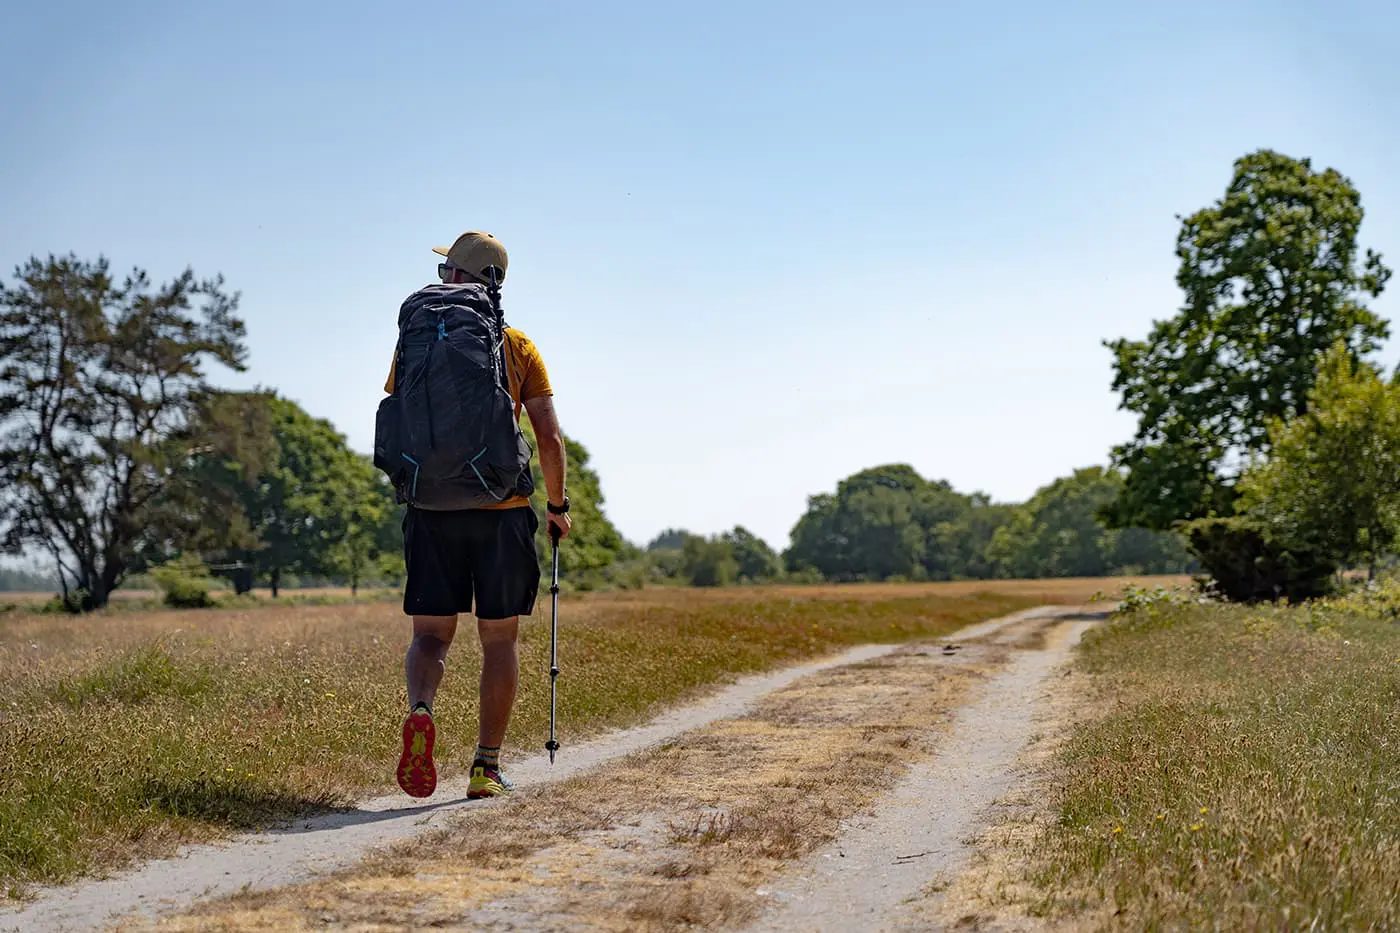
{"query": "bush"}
(709, 562)
(185, 581)
(1248, 565)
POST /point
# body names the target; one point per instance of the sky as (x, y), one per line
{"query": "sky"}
(760, 246)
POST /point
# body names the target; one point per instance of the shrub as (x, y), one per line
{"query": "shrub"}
(1248, 565)
(185, 581)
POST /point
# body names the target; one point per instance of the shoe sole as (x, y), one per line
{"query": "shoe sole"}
(416, 772)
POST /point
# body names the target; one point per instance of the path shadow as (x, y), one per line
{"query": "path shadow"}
(250, 808)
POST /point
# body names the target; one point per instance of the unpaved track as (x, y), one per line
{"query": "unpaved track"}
(312, 847)
(875, 877)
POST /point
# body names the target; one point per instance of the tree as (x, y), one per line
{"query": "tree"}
(1332, 479)
(231, 443)
(1272, 279)
(754, 560)
(1248, 563)
(98, 385)
(867, 531)
(1057, 533)
(709, 561)
(958, 547)
(888, 521)
(314, 495)
(366, 502)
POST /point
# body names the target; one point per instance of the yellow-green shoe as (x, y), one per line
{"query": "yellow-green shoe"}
(487, 782)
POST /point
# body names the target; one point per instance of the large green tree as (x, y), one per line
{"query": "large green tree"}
(1332, 478)
(367, 546)
(315, 509)
(101, 382)
(866, 531)
(883, 522)
(1272, 278)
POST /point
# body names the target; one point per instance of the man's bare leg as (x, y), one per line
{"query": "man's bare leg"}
(500, 671)
(427, 657)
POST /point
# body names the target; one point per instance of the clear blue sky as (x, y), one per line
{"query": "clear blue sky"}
(760, 246)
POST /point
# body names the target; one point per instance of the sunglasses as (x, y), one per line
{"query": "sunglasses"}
(445, 270)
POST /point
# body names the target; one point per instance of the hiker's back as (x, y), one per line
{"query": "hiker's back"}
(447, 435)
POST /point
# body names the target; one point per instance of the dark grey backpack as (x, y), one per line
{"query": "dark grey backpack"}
(447, 436)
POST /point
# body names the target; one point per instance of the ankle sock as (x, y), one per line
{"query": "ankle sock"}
(421, 706)
(488, 757)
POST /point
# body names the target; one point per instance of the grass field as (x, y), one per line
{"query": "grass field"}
(122, 735)
(126, 600)
(1243, 773)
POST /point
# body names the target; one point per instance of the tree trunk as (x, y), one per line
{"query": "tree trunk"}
(276, 580)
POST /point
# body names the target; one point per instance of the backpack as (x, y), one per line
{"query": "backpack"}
(447, 436)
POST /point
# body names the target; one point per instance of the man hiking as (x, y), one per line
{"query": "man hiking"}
(449, 437)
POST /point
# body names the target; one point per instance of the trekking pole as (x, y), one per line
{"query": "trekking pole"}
(552, 744)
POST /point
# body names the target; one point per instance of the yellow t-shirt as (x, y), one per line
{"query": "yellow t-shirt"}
(528, 380)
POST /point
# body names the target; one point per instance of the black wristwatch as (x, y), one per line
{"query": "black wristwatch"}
(558, 509)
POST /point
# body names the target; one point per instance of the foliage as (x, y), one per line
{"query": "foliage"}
(1248, 563)
(1332, 479)
(367, 548)
(869, 529)
(1134, 599)
(184, 581)
(1272, 279)
(232, 445)
(889, 523)
(98, 385)
(1058, 534)
(754, 560)
(315, 508)
(709, 561)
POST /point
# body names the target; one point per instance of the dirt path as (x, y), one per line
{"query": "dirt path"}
(878, 875)
(313, 848)
(725, 826)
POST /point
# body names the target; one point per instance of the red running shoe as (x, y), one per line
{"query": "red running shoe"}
(417, 776)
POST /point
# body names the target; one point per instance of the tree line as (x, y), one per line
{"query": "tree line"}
(889, 523)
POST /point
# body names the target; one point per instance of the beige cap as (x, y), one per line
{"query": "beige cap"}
(474, 252)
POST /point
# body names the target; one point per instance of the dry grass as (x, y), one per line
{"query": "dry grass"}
(1241, 775)
(679, 837)
(124, 735)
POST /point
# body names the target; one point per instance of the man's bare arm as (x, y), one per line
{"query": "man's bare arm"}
(553, 461)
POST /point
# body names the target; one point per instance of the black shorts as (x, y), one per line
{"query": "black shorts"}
(486, 553)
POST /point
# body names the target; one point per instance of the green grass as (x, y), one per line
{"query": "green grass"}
(1245, 774)
(122, 735)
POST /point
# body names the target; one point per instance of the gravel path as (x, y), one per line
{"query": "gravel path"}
(871, 878)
